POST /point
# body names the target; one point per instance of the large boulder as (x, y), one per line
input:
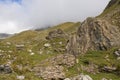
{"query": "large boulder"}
(94, 34)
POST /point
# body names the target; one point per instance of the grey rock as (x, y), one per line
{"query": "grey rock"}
(109, 69)
(55, 34)
(82, 77)
(52, 68)
(93, 34)
(117, 53)
(67, 79)
(20, 46)
(5, 69)
(21, 77)
(104, 79)
(67, 60)
(50, 72)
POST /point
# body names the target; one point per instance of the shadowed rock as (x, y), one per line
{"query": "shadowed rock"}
(5, 69)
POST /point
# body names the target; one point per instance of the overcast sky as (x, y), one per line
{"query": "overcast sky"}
(18, 15)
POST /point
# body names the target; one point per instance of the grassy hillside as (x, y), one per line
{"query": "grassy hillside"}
(112, 6)
(112, 12)
(32, 42)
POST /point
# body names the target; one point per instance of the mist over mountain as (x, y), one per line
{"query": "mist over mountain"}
(19, 15)
(4, 35)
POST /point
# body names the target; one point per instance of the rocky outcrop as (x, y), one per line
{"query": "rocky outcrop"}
(55, 34)
(67, 60)
(53, 68)
(94, 34)
(51, 72)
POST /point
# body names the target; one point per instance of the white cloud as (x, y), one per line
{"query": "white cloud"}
(40, 13)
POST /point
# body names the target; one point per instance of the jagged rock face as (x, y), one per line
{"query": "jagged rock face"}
(94, 34)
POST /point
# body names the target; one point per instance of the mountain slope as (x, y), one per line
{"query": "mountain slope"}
(112, 12)
(27, 49)
(65, 51)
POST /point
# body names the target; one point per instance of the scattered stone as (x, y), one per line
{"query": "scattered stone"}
(21, 77)
(10, 51)
(8, 43)
(30, 50)
(40, 52)
(117, 53)
(9, 62)
(20, 67)
(67, 60)
(50, 72)
(47, 45)
(104, 79)
(52, 68)
(82, 77)
(67, 79)
(20, 47)
(5, 69)
(60, 43)
(9, 56)
(109, 69)
(118, 58)
(32, 53)
(91, 68)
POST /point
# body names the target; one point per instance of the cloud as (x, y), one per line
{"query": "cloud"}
(16, 16)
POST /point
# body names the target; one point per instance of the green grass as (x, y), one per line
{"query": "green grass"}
(97, 58)
(110, 9)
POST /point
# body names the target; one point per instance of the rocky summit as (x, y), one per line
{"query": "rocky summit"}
(88, 50)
